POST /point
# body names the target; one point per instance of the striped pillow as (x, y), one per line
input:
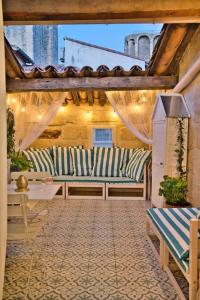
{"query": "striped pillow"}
(135, 166)
(82, 161)
(62, 160)
(41, 161)
(127, 155)
(108, 161)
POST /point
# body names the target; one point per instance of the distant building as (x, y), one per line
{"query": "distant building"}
(141, 44)
(79, 54)
(39, 42)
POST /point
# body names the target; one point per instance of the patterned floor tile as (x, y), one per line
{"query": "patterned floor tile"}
(89, 250)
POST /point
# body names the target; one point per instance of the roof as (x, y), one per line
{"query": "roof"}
(102, 48)
(22, 57)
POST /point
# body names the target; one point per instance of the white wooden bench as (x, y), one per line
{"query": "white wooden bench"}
(178, 232)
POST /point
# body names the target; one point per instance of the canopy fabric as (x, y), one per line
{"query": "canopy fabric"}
(33, 113)
(134, 108)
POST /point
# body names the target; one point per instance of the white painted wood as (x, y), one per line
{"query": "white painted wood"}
(193, 273)
(124, 186)
(3, 158)
(42, 192)
(28, 224)
(163, 149)
(85, 185)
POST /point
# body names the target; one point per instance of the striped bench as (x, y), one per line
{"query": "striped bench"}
(178, 232)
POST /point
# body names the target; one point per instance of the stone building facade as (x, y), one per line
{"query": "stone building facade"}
(79, 54)
(140, 44)
(39, 42)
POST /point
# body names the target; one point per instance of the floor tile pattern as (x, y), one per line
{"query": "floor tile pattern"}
(89, 250)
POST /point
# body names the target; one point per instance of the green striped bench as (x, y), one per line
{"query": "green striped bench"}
(178, 232)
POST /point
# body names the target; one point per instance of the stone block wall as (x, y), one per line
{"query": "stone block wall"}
(192, 96)
(73, 126)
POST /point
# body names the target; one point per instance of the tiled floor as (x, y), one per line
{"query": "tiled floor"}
(93, 250)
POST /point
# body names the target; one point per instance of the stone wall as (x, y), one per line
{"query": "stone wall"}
(192, 96)
(73, 126)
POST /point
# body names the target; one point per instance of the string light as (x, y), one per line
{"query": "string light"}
(61, 108)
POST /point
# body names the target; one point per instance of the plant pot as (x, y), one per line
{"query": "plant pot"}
(177, 206)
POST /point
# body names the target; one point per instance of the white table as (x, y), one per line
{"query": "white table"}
(37, 191)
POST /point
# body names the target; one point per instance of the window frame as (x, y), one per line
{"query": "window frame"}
(91, 131)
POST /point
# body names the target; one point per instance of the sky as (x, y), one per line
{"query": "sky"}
(109, 36)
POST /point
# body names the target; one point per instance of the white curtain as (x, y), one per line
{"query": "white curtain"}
(33, 113)
(134, 108)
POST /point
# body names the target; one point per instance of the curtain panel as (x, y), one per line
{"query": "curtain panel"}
(33, 113)
(134, 108)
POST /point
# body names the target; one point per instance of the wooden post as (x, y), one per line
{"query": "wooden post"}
(3, 158)
(193, 271)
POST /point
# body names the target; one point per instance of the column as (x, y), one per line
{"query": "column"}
(3, 158)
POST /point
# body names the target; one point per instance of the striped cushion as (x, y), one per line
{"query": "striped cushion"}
(41, 160)
(135, 166)
(127, 155)
(62, 159)
(82, 161)
(174, 225)
(108, 161)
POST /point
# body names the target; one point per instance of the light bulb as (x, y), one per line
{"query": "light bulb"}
(39, 116)
(23, 109)
(13, 100)
(61, 108)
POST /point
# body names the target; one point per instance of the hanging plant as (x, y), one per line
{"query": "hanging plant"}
(174, 189)
(180, 150)
(10, 133)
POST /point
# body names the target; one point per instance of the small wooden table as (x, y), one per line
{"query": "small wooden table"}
(37, 191)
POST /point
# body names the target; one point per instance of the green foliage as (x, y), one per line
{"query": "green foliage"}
(10, 133)
(19, 162)
(174, 189)
(180, 147)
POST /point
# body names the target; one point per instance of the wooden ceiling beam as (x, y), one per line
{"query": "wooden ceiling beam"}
(76, 99)
(171, 45)
(101, 11)
(90, 98)
(91, 83)
(102, 98)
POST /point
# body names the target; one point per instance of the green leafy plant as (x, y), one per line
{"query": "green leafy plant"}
(19, 162)
(180, 147)
(174, 189)
(10, 133)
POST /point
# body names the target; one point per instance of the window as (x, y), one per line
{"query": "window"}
(102, 137)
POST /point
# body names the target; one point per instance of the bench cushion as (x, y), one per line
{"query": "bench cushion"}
(41, 160)
(127, 155)
(62, 159)
(136, 164)
(117, 180)
(174, 224)
(108, 161)
(82, 161)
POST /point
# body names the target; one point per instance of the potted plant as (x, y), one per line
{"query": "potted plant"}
(17, 161)
(174, 189)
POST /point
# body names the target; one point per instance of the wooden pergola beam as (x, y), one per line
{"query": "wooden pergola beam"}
(76, 98)
(172, 45)
(90, 83)
(100, 11)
